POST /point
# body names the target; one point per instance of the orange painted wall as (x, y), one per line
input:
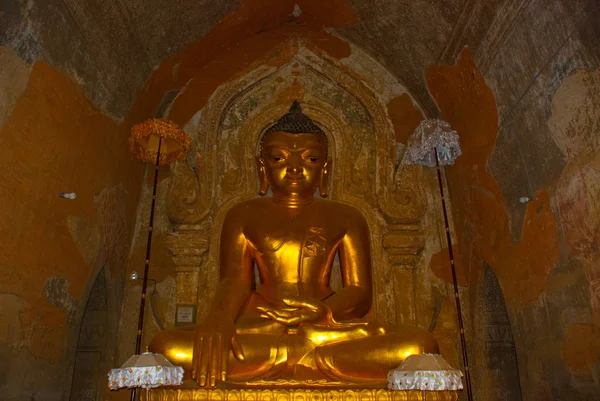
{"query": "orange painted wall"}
(478, 205)
(54, 141)
(541, 274)
(239, 41)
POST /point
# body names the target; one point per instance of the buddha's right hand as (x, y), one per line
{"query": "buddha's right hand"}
(212, 343)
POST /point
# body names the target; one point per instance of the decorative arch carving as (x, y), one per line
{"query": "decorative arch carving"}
(362, 146)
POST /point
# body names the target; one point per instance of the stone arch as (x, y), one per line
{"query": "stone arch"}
(401, 202)
(366, 172)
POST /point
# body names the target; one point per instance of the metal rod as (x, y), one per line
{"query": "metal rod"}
(138, 341)
(461, 327)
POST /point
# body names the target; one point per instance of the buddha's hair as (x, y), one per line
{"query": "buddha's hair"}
(295, 122)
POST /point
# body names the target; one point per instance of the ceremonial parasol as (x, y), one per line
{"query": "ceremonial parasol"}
(160, 142)
(433, 144)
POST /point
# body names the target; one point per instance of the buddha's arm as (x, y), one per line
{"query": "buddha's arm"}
(235, 270)
(354, 299)
(214, 337)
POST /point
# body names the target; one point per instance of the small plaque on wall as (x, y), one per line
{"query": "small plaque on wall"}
(185, 315)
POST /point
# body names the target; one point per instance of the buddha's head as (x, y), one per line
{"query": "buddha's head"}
(293, 157)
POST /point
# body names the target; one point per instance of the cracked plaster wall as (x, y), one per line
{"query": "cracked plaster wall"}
(53, 140)
(528, 121)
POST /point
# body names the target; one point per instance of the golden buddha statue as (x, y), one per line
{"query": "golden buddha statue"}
(292, 327)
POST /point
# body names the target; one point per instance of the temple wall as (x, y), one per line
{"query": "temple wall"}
(51, 249)
(527, 114)
(524, 100)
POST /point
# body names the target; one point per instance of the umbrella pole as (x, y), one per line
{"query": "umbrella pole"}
(138, 341)
(463, 341)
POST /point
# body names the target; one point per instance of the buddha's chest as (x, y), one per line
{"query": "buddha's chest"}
(301, 237)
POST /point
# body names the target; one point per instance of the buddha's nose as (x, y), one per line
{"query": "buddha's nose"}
(294, 166)
(294, 169)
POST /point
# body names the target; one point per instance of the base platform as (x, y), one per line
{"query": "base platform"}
(295, 394)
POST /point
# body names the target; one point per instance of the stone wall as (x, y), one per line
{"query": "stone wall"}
(528, 120)
(52, 249)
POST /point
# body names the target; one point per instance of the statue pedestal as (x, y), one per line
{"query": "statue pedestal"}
(296, 394)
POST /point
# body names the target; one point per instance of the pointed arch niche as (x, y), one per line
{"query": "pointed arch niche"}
(221, 172)
(89, 374)
(493, 344)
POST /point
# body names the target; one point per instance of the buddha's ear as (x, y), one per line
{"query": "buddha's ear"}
(324, 179)
(263, 185)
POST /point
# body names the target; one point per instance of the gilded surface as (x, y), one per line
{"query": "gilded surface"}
(184, 194)
(365, 172)
(286, 310)
(298, 395)
(188, 246)
(289, 327)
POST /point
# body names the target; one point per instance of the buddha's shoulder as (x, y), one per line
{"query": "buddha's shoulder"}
(255, 208)
(339, 209)
(250, 206)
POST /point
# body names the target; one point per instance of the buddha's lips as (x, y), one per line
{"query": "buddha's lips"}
(295, 177)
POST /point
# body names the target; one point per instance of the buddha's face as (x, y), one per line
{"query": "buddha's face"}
(293, 163)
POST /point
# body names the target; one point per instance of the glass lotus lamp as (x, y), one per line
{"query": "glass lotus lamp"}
(147, 371)
(425, 372)
(433, 134)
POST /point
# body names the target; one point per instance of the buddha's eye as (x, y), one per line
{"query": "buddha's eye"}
(276, 158)
(313, 159)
